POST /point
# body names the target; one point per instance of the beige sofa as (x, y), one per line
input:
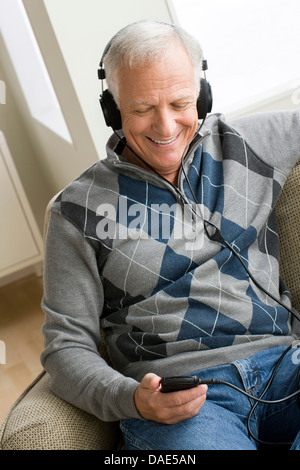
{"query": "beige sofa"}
(40, 421)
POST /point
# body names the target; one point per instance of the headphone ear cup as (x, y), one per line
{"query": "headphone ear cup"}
(110, 111)
(205, 99)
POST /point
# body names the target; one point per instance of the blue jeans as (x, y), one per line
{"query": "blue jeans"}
(221, 423)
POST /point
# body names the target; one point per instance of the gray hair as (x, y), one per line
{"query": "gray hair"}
(146, 42)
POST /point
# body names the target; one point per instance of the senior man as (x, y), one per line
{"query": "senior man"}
(169, 245)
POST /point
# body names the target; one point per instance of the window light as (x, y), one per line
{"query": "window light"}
(252, 48)
(30, 67)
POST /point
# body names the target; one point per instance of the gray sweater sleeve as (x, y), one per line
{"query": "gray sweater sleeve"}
(73, 302)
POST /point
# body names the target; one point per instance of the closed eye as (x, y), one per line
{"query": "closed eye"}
(143, 110)
(181, 105)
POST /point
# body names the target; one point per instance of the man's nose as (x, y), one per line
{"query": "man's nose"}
(165, 122)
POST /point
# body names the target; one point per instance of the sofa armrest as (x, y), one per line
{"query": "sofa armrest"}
(39, 420)
(288, 220)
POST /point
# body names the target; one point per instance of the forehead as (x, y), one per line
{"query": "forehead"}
(171, 74)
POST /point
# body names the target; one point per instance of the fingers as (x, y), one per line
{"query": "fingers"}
(167, 408)
(183, 404)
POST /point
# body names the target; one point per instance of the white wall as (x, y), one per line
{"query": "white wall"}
(288, 100)
(19, 142)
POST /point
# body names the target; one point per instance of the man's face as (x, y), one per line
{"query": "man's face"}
(158, 110)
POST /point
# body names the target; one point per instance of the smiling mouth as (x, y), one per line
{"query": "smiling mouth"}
(163, 142)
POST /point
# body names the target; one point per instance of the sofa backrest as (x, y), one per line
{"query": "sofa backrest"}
(288, 220)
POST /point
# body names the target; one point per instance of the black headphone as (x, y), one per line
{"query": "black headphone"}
(112, 114)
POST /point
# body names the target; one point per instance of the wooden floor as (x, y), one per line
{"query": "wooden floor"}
(21, 321)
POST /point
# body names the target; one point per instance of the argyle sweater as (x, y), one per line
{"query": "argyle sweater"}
(128, 252)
